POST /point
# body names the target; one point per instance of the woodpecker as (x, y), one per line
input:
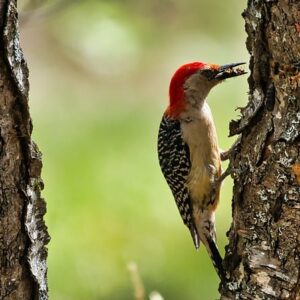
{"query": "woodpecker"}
(188, 151)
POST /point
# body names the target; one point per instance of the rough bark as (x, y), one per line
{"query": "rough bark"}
(262, 258)
(23, 234)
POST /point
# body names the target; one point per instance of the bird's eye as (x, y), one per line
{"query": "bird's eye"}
(188, 120)
(208, 73)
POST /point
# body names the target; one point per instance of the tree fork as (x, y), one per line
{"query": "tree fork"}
(262, 258)
(23, 234)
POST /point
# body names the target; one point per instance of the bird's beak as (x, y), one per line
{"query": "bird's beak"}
(228, 71)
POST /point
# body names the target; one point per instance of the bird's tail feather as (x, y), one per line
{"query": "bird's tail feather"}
(195, 236)
(215, 256)
(207, 234)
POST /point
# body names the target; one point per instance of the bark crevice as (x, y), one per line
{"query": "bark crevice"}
(262, 258)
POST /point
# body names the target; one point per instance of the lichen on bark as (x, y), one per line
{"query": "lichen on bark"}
(262, 258)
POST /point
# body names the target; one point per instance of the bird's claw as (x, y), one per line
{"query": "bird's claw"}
(224, 155)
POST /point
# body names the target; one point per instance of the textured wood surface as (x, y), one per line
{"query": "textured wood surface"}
(262, 258)
(23, 234)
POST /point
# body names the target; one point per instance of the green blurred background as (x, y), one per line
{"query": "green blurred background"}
(99, 74)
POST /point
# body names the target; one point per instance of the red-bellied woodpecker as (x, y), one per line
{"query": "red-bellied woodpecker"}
(188, 150)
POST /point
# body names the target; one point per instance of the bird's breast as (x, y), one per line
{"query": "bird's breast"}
(200, 135)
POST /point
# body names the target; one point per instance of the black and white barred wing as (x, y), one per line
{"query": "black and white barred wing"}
(174, 160)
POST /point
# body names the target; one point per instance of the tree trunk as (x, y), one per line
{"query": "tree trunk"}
(23, 234)
(262, 258)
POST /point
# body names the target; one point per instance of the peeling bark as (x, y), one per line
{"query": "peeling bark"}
(23, 234)
(262, 258)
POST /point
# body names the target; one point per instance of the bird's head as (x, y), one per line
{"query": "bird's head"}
(192, 82)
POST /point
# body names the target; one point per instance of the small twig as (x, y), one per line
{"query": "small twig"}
(138, 287)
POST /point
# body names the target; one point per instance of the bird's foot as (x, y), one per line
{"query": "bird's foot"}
(216, 184)
(226, 154)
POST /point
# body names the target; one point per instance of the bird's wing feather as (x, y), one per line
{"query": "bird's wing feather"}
(174, 160)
